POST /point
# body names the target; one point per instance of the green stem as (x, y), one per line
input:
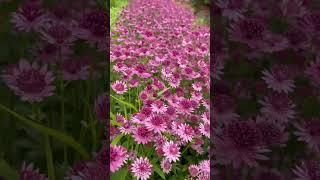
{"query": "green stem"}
(186, 148)
(47, 146)
(48, 131)
(49, 158)
(90, 114)
(62, 110)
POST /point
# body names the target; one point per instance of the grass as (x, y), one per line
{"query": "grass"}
(115, 8)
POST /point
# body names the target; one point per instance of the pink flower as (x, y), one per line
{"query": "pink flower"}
(171, 151)
(273, 133)
(309, 132)
(308, 170)
(185, 132)
(185, 106)
(224, 108)
(47, 53)
(193, 170)
(250, 31)
(142, 135)
(30, 81)
(279, 79)
(197, 86)
(58, 34)
(118, 156)
(126, 127)
(141, 168)
(158, 107)
(197, 146)
(156, 123)
(275, 43)
(75, 69)
(297, 37)
(120, 118)
(27, 172)
(278, 107)
(205, 129)
(139, 118)
(166, 166)
(233, 9)
(101, 107)
(313, 72)
(29, 17)
(92, 170)
(204, 167)
(93, 28)
(119, 87)
(239, 143)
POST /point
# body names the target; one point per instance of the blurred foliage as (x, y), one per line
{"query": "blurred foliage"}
(115, 9)
(199, 3)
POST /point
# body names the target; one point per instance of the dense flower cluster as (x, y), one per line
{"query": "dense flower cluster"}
(51, 62)
(266, 80)
(160, 52)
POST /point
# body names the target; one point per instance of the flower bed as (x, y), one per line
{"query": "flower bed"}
(160, 99)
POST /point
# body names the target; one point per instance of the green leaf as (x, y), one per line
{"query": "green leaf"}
(125, 103)
(49, 131)
(117, 139)
(158, 171)
(113, 120)
(7, 172)
(161, 92)
(120, 175)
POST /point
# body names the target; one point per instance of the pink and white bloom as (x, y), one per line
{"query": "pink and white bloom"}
(158, 106)
(278, 79)
(31, 82)
(119, 87)
(141, 168)
(171, 151)
(118, 156)
(30, 17)
(142, 135)
(156, 123)
(166, 166)
(309, 132)
(185, 132)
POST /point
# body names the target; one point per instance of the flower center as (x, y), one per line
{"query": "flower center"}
(173, 149)
(31, 11)
(31, 81)
(252, 29)
(59, 33)
(119, 87)
(243, 134)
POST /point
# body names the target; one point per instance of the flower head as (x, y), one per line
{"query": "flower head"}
(102, 107)
(75, 69)
(141, 168)
(307, 170)
(171, 151)
(118, 156)
(278, 79)
(309, 132)
(30, 17)
(142, 135)
(278, 107)
(119, 87)
(27, 172)
(30, 81)
(166, 166)
(239, 143)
